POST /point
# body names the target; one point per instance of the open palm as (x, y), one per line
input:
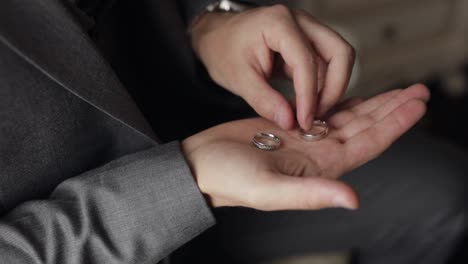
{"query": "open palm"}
(301, 174)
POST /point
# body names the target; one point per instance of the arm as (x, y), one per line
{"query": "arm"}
(135, 209)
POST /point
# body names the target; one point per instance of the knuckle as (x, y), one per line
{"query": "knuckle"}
(278, 10)
(304, 15)
(350, 52)
(311, 59)
(301, 12)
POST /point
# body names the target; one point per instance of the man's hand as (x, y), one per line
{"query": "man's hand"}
(300, 175)
(242, 52)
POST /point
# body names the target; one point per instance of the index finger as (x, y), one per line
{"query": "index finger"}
(288, 40)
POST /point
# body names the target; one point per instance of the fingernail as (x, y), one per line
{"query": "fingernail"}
(340, 201)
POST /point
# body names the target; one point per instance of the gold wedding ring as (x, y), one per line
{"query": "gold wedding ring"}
(318, 131)
(266, 141)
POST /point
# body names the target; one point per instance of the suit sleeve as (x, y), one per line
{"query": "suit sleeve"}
(136, 209)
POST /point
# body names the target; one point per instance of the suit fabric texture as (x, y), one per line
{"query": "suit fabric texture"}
(84, 177)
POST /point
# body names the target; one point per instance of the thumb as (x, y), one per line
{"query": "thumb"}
(307, 193)
(266, 101)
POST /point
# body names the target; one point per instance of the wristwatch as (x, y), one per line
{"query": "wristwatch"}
(228, 6)
(223, 6)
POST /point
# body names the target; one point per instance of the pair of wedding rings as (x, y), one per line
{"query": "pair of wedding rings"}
(270, 142)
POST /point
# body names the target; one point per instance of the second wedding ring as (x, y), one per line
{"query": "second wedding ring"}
(266, 141)
(319, 131)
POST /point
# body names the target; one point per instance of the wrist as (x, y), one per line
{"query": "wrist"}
(223, 6)
(214, 16)
(206, 24)
(189, 149)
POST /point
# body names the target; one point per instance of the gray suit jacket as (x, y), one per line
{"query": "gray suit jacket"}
(83, 178)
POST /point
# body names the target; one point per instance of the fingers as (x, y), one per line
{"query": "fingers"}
(346, 105)
(339, 55)
(268, 102)
(288, 40)
(372, 141)
(343, 116)
(284, 71)
(362, 122)
(284, 192)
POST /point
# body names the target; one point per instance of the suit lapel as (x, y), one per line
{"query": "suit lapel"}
(45, 34)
